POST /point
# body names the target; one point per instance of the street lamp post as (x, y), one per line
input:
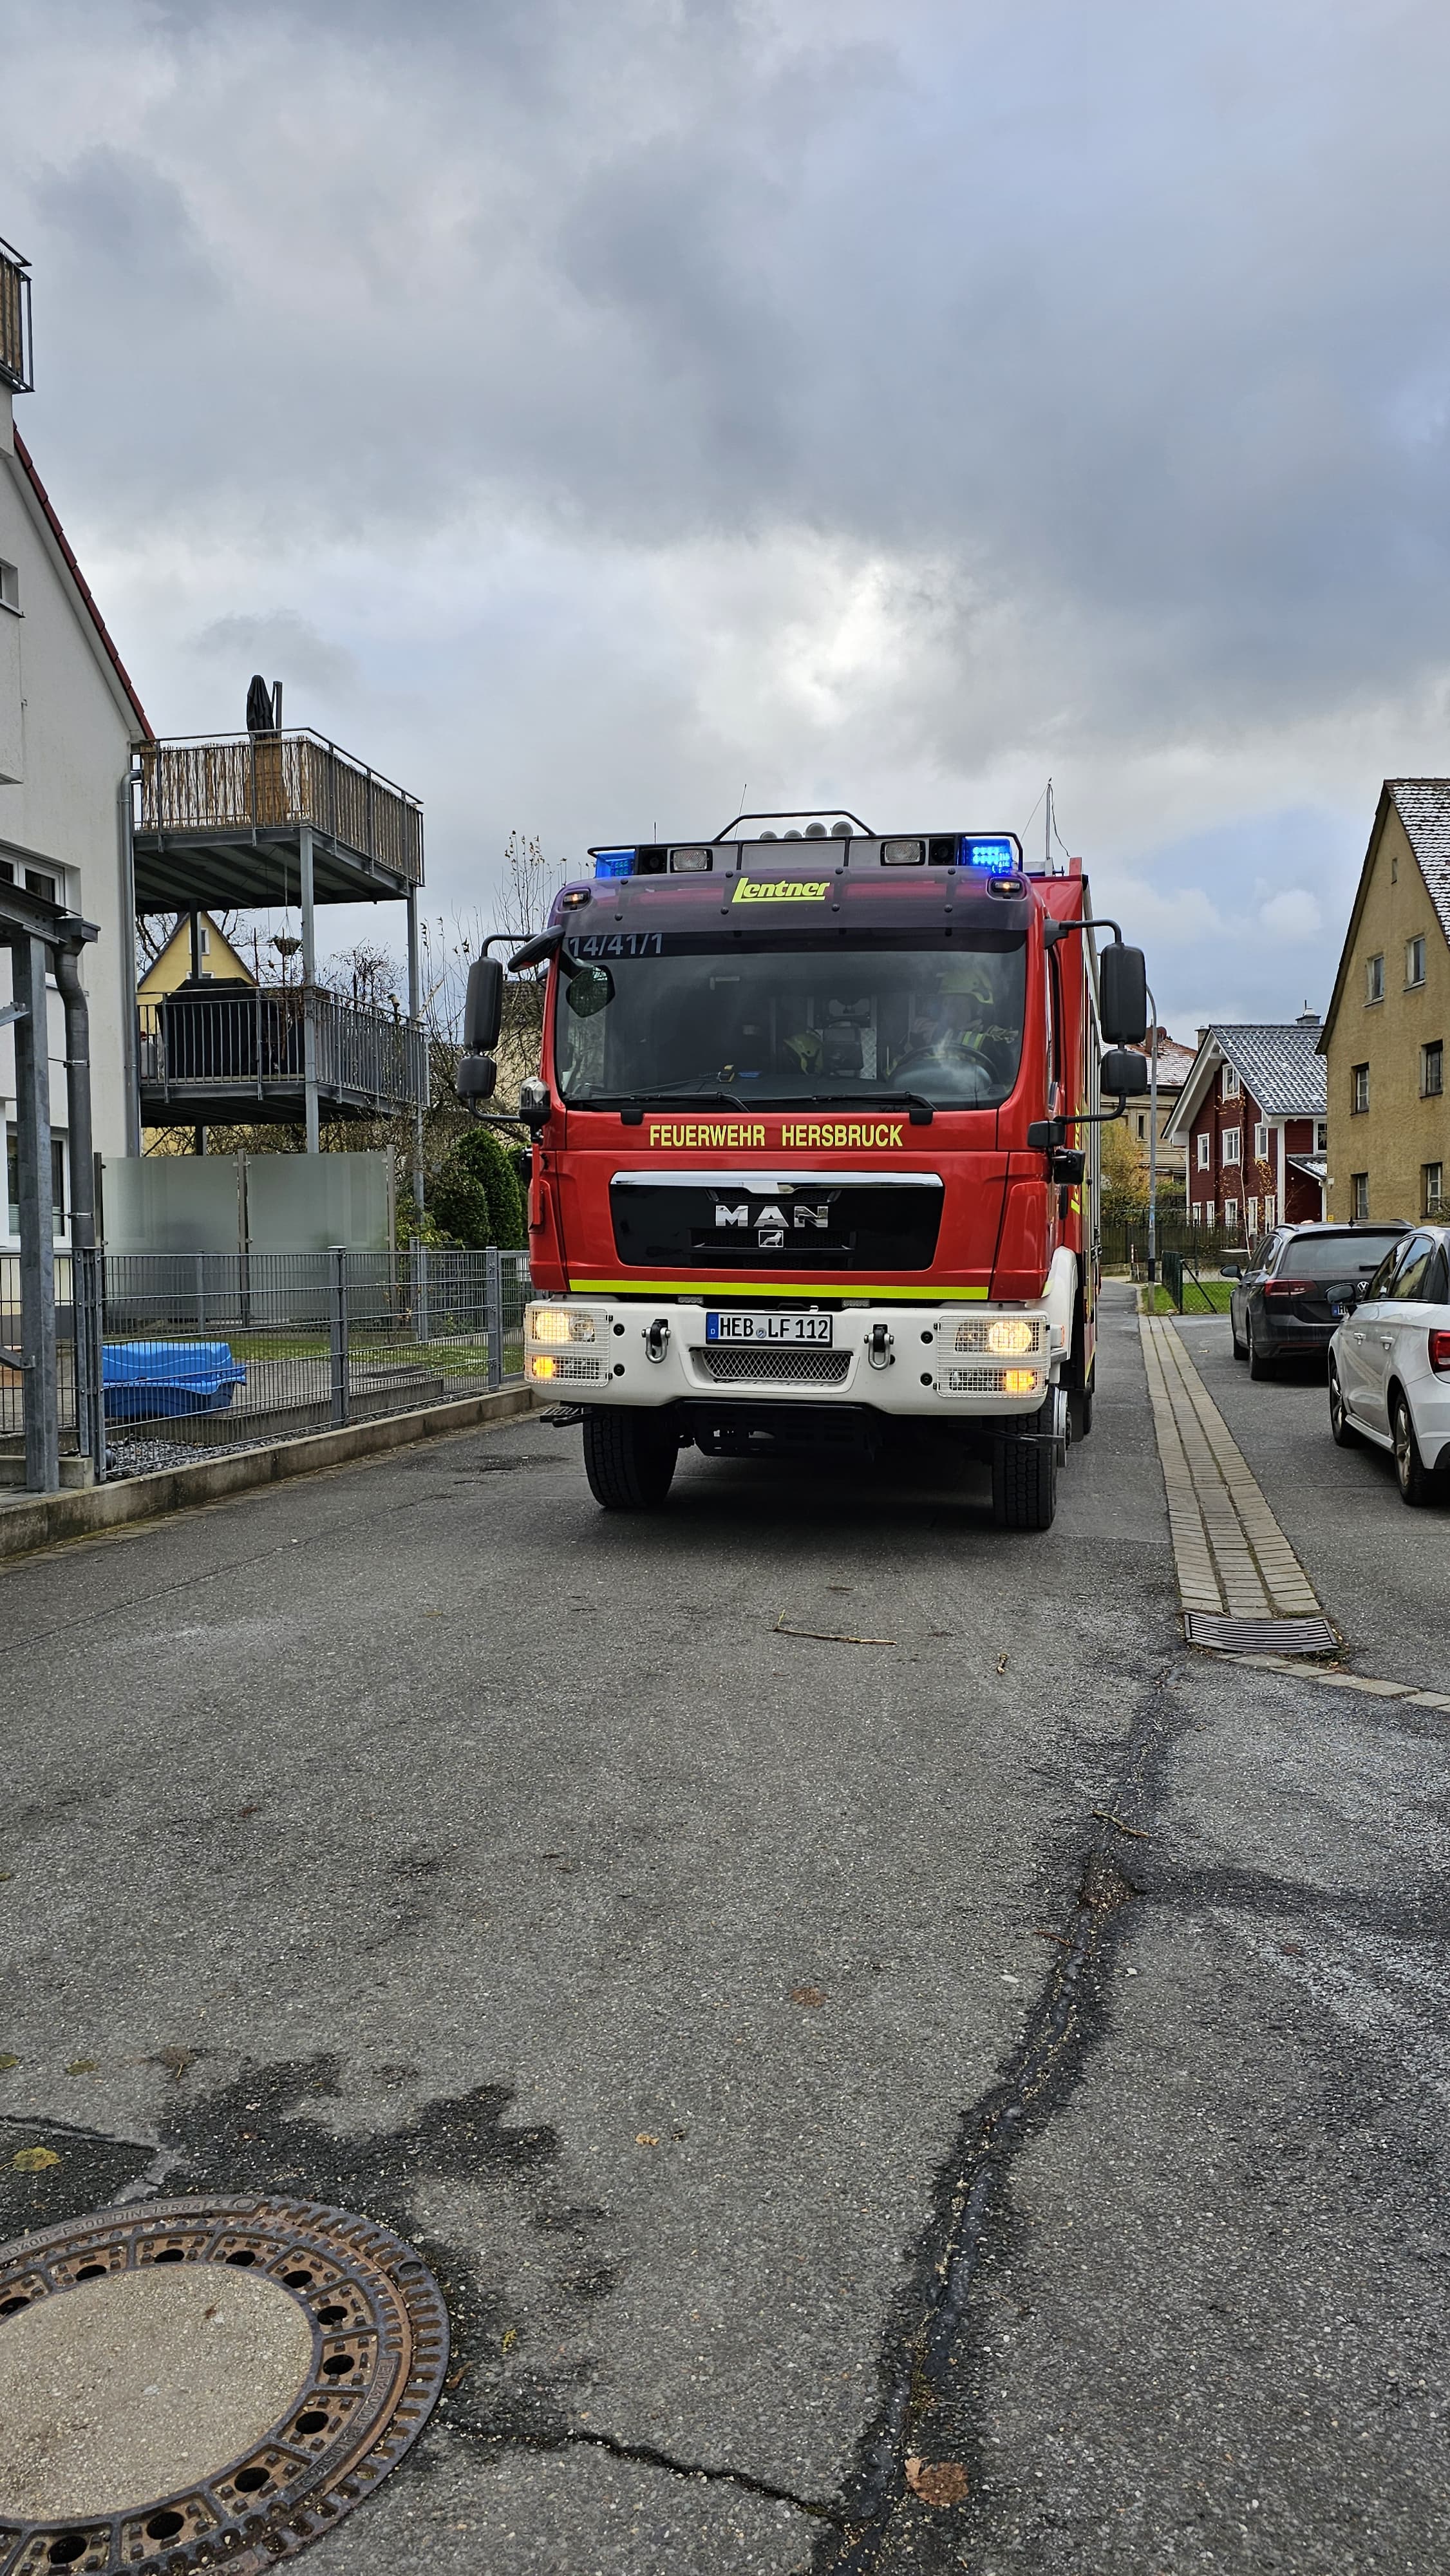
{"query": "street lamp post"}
(1153, 1148)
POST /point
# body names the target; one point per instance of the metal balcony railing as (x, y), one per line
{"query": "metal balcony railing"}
(249, 1042)
(15, 365)
(279, 782)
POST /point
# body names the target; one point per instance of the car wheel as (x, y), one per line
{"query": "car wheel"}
(1260, 1365)
(1416, 1483)
(1342, 1430)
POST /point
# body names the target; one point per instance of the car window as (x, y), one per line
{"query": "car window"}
(1409, 1279)
(1379, 1285)
(1335, 1256)
(1437, 1285)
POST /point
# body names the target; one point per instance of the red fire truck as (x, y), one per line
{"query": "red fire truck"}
(815, 1147)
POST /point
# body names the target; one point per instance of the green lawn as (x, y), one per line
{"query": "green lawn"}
(1212, 1297)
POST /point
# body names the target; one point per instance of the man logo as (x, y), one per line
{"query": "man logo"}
(771, 1222)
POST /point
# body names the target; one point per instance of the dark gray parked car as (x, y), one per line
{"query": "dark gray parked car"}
(1296, 1284)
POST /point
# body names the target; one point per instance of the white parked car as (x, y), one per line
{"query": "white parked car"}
(1389, 1365)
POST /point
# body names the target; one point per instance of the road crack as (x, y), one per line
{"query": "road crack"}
(577, 2437)
(919, 2363)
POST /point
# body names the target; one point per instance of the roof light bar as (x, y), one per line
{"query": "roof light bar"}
(614, 863)
(995, 854)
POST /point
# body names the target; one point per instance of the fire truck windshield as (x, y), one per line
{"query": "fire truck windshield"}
(779, 1024)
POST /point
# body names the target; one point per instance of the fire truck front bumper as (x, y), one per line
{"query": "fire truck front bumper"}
(992, 1362)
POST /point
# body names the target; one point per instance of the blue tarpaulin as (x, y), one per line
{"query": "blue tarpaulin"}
(144, 1378)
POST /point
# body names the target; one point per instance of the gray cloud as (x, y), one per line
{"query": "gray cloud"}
(919, 394)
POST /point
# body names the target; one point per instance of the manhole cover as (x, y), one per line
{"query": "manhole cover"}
(1260, 1636)
(205, 2383)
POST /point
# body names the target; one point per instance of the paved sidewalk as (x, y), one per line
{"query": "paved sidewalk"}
(1230, 1553)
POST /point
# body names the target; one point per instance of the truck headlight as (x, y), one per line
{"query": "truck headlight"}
(558, 1324)
(1010, 1336)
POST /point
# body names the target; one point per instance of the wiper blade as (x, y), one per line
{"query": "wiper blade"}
(915, 1100)
(669, 1091)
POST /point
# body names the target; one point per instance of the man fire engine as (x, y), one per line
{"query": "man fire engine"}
(815, 1147)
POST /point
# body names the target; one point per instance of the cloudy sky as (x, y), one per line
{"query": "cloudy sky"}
(599, 414)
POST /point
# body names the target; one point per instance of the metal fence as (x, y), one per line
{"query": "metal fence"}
(164, 1357)
(1125, 1241)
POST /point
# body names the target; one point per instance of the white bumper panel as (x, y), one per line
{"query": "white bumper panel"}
(982, 1360)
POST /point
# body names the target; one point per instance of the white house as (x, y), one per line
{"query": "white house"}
(69, 720)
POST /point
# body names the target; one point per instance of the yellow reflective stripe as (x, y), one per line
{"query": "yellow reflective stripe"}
(782, 1288)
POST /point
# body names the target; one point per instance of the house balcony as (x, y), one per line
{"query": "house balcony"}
(242, 1055)
(240, 821)
(15, 369)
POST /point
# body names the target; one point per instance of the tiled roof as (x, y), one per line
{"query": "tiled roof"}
(1175, 1063)
(1424, 809)
(1276, 1061)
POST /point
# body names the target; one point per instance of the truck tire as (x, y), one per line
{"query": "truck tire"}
(1080, 1406)
(629, 1456)
(1024, 1484)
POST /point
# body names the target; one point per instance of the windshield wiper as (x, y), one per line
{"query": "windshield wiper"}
(922, 1110)
(666, 1091)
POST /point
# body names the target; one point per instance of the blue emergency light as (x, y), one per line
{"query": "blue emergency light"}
(996, 857)
(614, 863)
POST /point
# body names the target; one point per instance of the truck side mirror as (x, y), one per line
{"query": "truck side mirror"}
(1123, 995)
(483, 1007)
(475, 1077)
(1125, 1072)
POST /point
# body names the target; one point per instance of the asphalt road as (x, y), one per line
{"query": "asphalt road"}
(784, 2055)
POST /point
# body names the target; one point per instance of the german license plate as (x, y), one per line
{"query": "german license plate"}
(769, 1328)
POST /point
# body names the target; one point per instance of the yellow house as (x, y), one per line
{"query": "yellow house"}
(1388, 1021)
(220, 962)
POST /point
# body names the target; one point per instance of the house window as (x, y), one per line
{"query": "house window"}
(1321, 1137)
(37, 882)
(1432, 1189)
(1251, 1215)
(1233, 1144)
(1231, 1215)
(1358, 1090)
(1142, 1124)
(1269, 1203)
(1415, 960)
(10, 588)
(1359, 1195)
(1230, 1083)
(1374, 978)
(1261, 1141)
(1432, 1069)
(1205, 1151)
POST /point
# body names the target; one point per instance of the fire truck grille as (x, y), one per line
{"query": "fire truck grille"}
(580, 1366)
(979, 1381)
(784, 1367)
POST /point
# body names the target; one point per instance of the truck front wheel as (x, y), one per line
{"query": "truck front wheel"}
(629, 1456)
(1024, 1483)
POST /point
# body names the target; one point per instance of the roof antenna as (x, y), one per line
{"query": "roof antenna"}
(1047, 830)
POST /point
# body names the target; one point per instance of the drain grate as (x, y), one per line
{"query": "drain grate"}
(1260, 1636)
(205, 2382)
